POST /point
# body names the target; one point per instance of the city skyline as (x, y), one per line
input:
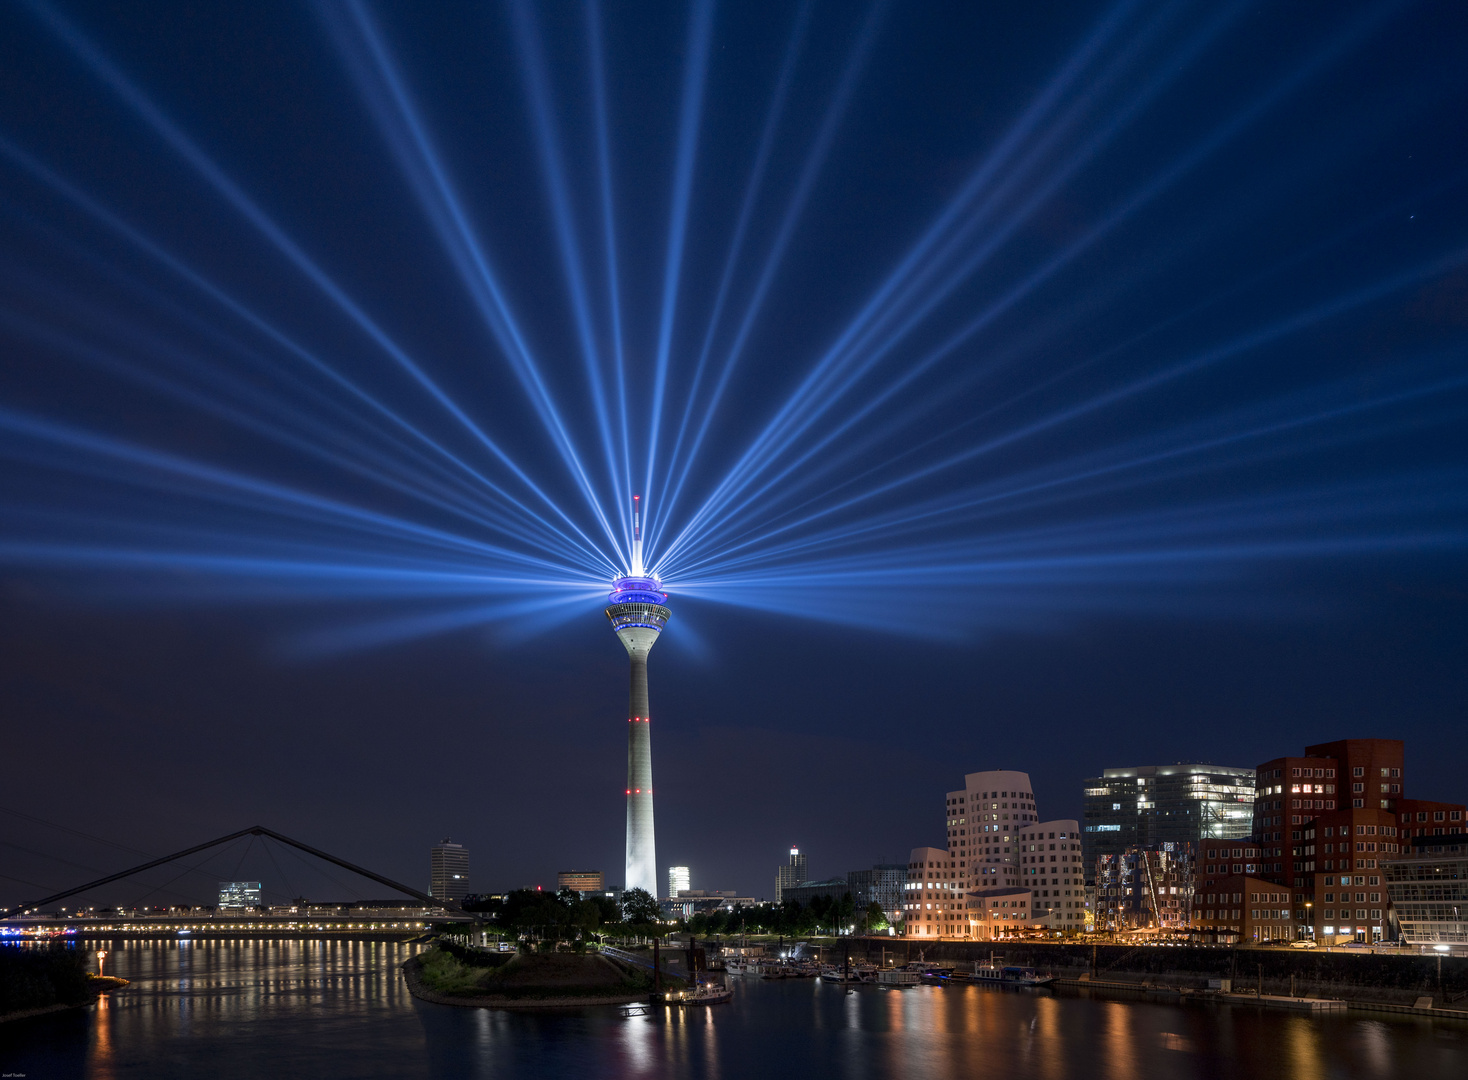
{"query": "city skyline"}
(1050, 393)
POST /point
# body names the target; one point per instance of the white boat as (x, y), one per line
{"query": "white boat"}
(897, 978)
(702, 994)
(1010, 975)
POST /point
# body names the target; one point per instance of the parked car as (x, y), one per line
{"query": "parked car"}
(1303, 943)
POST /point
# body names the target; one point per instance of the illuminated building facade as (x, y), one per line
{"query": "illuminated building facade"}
(1428, 888)
(933, 905)
(1328, 828)
(883, 883)
(1146, 806)
(239, 895)
(791, 874)
(448, 871)
(638, 613)
(678, 881)
(1051, 867)
(580, 881)
(983, 821)
(1146, 889)
(1000, 912)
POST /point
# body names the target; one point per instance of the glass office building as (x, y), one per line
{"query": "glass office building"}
(239, 895)
(1151, 805)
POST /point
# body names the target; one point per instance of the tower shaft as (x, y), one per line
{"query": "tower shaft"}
(638, 615)
(642, 862)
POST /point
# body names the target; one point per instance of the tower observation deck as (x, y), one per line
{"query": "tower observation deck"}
(637, 610)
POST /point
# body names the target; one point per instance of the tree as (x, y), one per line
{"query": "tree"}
(875, 918)
(610, 913)
(639, 907)
(586, 915)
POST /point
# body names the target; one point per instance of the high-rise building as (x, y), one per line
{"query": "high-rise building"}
(1149, 805)
(983, 821)
(638, 613)
(678, 881)
(239, 895)
(790, 875)
(580, 881)
(448, 871)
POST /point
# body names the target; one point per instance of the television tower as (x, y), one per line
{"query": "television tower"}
(638, 613)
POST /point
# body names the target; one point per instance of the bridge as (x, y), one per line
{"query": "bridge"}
(370, 918)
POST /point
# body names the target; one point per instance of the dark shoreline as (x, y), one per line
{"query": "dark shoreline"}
(101, 984)
(411, 975)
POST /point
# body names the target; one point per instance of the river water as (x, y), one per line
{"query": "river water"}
(283, 1010)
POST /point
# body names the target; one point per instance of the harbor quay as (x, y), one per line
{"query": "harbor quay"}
(1388, 976)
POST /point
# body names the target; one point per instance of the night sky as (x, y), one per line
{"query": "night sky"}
(1044, 387)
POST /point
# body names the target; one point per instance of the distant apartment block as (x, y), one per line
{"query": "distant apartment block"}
(580, 881)
(448, 871)
(239, 895)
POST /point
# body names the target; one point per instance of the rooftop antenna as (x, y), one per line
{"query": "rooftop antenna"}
(637, 567)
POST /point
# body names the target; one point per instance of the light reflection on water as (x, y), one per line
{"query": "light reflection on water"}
(326, 1009)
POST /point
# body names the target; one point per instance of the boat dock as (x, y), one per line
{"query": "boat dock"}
(1271, 1001)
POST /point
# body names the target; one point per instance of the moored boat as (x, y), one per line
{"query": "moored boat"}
(1008, 975)
(702, 994)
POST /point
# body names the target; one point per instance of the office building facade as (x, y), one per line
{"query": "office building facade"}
(1329, 826)
(1148, 889)
(933, 904)
(882, 884)
(1051, 866)
(239, 895)
(983, 822)
(448, 872)
(1146, 806)
(580, 881)
(1428, 889)
(678, 881)
(791, 874)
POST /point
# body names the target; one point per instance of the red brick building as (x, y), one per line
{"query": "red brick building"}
(1324, 823)
(1421, 817)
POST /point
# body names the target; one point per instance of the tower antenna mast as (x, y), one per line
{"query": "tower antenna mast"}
(637, 567)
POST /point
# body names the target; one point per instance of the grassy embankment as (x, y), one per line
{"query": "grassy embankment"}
(550, 975)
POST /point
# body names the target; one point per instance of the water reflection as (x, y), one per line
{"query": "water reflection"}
(310, 1009)
(1304, 1051)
